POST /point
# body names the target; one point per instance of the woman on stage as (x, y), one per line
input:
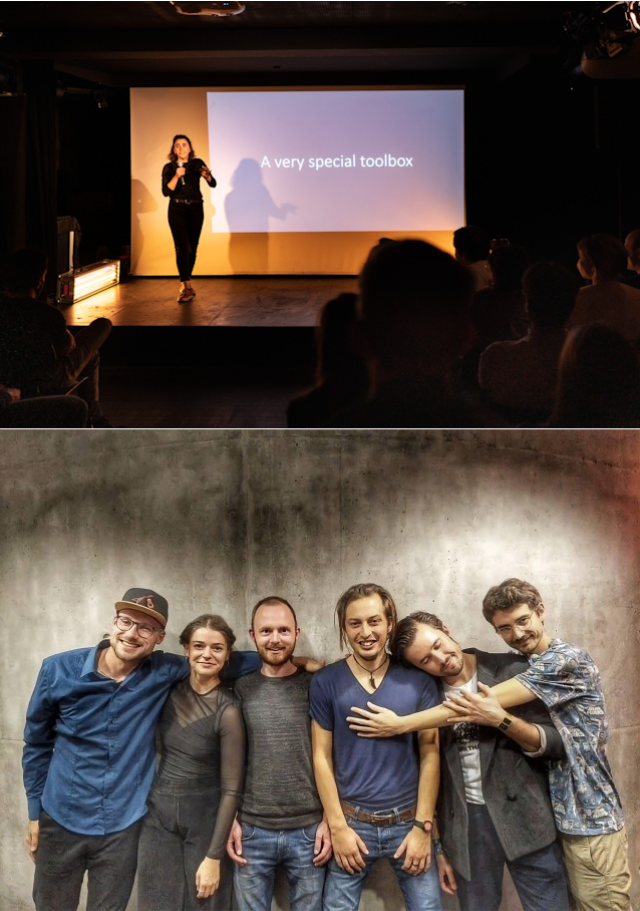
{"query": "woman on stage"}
(197, 789)
(181, 183)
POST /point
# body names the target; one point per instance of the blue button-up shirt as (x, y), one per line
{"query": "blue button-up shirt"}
(89, 755)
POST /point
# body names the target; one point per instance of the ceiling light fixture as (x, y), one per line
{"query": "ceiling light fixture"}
(209, 9)
(632, 13)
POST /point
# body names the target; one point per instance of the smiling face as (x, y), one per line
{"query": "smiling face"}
(435, 652)
(275, 634)
(130, 647)
(207, 653)
(367, 628)
(522, 628)
(182, 149)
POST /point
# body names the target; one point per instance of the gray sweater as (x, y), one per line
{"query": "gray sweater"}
(280, 790)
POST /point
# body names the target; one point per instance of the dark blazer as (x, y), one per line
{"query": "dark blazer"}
(516, 789)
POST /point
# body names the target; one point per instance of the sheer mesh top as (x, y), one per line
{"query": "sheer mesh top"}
(201, 749)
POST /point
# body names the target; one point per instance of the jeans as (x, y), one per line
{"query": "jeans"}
(539, 877)
(264, 851)
(186, 227)
(63, 857)
(343, 892)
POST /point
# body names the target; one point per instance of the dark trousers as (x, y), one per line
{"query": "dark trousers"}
(186, 223)
(539, 877)
(175, 839)
(63, 857)
(82, 366)
(55, 411)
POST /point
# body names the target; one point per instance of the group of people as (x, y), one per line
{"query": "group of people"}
(488, 340)
(321, 771)
(483, 340)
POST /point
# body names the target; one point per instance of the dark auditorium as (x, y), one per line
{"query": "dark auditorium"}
(319, 215)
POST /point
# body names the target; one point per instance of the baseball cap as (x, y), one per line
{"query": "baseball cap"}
(147, 602)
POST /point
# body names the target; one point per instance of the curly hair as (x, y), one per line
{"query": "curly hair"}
(508, 595)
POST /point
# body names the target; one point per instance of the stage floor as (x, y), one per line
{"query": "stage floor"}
(239, 302)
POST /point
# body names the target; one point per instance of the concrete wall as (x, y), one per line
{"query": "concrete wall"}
(216, 520)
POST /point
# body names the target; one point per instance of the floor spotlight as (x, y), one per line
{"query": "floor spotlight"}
(208, 9)
(79, 284)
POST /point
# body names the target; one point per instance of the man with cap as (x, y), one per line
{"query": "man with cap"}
(89, 756)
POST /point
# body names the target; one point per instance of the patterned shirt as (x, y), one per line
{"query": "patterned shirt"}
(584, 797)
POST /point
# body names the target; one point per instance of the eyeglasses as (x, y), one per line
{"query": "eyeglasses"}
(143, 630)
(522, 624)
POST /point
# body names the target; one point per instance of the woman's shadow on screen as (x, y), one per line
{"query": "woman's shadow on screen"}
(142, 203)
(249, 208)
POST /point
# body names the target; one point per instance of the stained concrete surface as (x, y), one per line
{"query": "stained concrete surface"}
(216, 520)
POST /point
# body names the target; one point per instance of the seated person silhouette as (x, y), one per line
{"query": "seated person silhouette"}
(38, 354)
(414, 325)
(599, 382)
(342, 378)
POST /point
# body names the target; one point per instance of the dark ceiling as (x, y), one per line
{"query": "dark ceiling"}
(128, 43)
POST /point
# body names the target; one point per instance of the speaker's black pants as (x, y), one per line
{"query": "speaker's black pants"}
(186, 223)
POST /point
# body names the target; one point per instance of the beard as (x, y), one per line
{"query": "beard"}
(276, 658)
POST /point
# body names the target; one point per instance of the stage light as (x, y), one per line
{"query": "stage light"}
(79, 284)
(633, 15)
(208, 9)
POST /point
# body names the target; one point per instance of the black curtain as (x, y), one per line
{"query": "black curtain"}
(40, 86)
(13, 165)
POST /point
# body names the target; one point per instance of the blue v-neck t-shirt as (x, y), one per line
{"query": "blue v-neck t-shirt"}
(375, 775)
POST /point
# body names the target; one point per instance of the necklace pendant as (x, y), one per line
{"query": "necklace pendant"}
(373, 683)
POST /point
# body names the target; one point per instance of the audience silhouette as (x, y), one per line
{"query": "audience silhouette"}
(473, 246)
(58, 411)
(341, 378)
(632, 246)
(603, 261)
(38, 354)
(498, 312)
(521, 377)
(599, 382)
(402, 354)
(414, 327)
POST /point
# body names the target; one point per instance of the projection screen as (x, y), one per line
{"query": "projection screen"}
(308, 180)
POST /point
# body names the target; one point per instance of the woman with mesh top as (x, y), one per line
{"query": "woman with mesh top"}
(198, 784)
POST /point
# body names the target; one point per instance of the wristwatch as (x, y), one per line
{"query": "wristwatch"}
(425, 826)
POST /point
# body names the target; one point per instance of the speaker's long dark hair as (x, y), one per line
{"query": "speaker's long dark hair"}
(172, 154)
